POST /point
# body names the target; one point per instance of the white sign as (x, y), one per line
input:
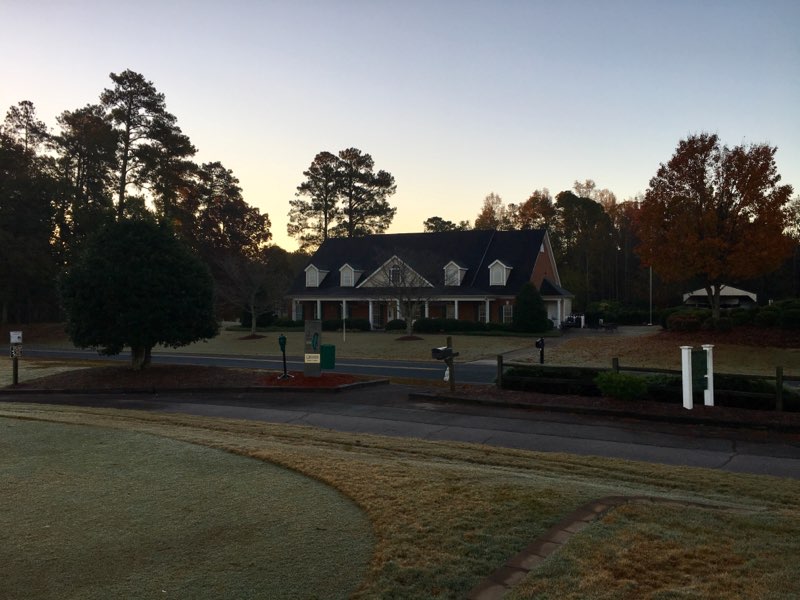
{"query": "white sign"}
(16, 337)
(312, 358)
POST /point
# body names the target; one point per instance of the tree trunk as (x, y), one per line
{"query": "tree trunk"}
(713, 290)
(253, 316)
(139, 355)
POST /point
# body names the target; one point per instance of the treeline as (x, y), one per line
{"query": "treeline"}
(598, 245)
(124, 157)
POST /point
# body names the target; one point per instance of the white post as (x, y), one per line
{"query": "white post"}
(319, 310)
(686, 370)
(455, 311)
(488, 307)
(708, 394)
(426, 309)
(370, 315)
(397, 314)
(344, 320)
(559, 315)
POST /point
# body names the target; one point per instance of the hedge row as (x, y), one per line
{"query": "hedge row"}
(728, 389)
(783, 315)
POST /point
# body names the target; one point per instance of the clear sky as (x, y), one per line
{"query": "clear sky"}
(456, 99)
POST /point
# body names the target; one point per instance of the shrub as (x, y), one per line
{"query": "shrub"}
(350, 324)
(396, 325)
(790, 318)
(767, 316)
(530, 313)
(621, 386)
(683, 322)
(288, 323)
(552, 380)
(742, 316)
(447, 325)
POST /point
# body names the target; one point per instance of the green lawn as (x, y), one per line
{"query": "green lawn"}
(445, 515)
(375, 344)
(96, 513)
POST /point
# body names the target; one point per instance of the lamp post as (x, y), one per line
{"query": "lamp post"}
(282, 344)
(651, 296)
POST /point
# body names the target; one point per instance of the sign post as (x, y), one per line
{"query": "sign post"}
(313, 341)
(16, 352)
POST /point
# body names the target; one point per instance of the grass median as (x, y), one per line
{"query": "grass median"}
(445, 515)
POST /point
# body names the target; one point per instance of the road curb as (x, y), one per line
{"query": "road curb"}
(687, 419)
(188, 390)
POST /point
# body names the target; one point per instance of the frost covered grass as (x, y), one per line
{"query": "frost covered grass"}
(442, 516)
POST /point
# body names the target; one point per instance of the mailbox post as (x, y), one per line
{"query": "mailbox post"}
(16, 352)
(446, 354)
(540, 346)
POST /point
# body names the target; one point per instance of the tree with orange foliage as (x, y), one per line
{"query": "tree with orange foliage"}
(715, 213)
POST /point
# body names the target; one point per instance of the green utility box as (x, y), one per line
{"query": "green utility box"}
(327, 356)
(699, 370)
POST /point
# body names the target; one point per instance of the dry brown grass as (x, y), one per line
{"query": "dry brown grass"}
(446, 514)
(652, 348)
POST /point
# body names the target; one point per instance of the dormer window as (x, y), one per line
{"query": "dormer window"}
(498, 273)
(453, 274)
(346, 276)
(314, 276)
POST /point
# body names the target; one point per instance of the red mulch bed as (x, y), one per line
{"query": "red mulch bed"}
(325, 380)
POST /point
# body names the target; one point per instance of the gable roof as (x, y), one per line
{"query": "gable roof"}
(428, 253)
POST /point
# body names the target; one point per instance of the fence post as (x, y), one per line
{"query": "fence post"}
(779, 388)
(499, 371)
(615, 364)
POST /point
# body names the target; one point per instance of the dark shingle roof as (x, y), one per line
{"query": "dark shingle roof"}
(427, 254)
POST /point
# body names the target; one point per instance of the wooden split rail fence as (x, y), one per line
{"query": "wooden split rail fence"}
(779, 379)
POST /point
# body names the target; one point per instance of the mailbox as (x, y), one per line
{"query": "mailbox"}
(540, 343)
(441, 353)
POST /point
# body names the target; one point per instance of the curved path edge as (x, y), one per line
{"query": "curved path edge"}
(517, 567)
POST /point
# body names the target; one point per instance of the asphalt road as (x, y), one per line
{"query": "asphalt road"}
(472, 372)
(387, 410)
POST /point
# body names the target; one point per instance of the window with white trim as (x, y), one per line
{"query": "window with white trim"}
(508, 313)
(394, 275)
(312, 277)
(482, 312)
(451, 275)
(346, 276)
(498, 273)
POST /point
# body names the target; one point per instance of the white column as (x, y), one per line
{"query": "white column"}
(319, 309)
(686, 372)
(455, 310)
(344, 309)
(370, 316)
(397, 309)
(488, 308)
(426, 309)
(708, 394)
